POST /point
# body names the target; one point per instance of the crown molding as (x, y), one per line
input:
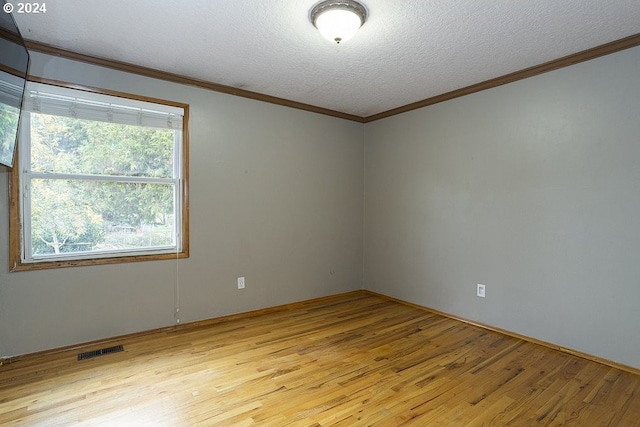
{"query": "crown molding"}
(585, 55)
(176, 78)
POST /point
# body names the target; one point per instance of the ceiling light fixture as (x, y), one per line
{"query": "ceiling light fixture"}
(338, 21)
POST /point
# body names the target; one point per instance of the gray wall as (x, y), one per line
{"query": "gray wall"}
(275, 196)
(532, 189)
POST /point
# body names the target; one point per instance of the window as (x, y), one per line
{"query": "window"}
(100, 179)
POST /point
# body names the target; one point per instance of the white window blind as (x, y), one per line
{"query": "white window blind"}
(11, 89)
(60, 101)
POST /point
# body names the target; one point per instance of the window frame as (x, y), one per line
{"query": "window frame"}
(16, 243)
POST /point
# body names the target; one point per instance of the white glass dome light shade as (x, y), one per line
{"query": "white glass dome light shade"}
(338, 25)
(338, 21)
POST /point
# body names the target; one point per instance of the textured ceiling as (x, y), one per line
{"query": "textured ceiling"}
(407, 51)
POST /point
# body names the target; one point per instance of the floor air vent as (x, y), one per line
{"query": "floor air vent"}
(102, 351)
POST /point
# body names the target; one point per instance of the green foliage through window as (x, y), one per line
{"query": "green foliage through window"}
(89, 188)
(8, 124)
(98, 187)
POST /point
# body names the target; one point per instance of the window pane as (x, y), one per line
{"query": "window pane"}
(96, 216)
(8, 124)
(68, 145)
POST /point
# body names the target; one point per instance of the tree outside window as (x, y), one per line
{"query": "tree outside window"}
(102, 180)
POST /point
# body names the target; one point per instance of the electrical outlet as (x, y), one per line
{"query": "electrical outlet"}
(240, 282)
(480, 290)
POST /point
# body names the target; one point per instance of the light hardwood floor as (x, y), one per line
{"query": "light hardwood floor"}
(353, 360)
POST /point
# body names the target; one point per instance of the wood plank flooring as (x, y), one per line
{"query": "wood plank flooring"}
(351, 361)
